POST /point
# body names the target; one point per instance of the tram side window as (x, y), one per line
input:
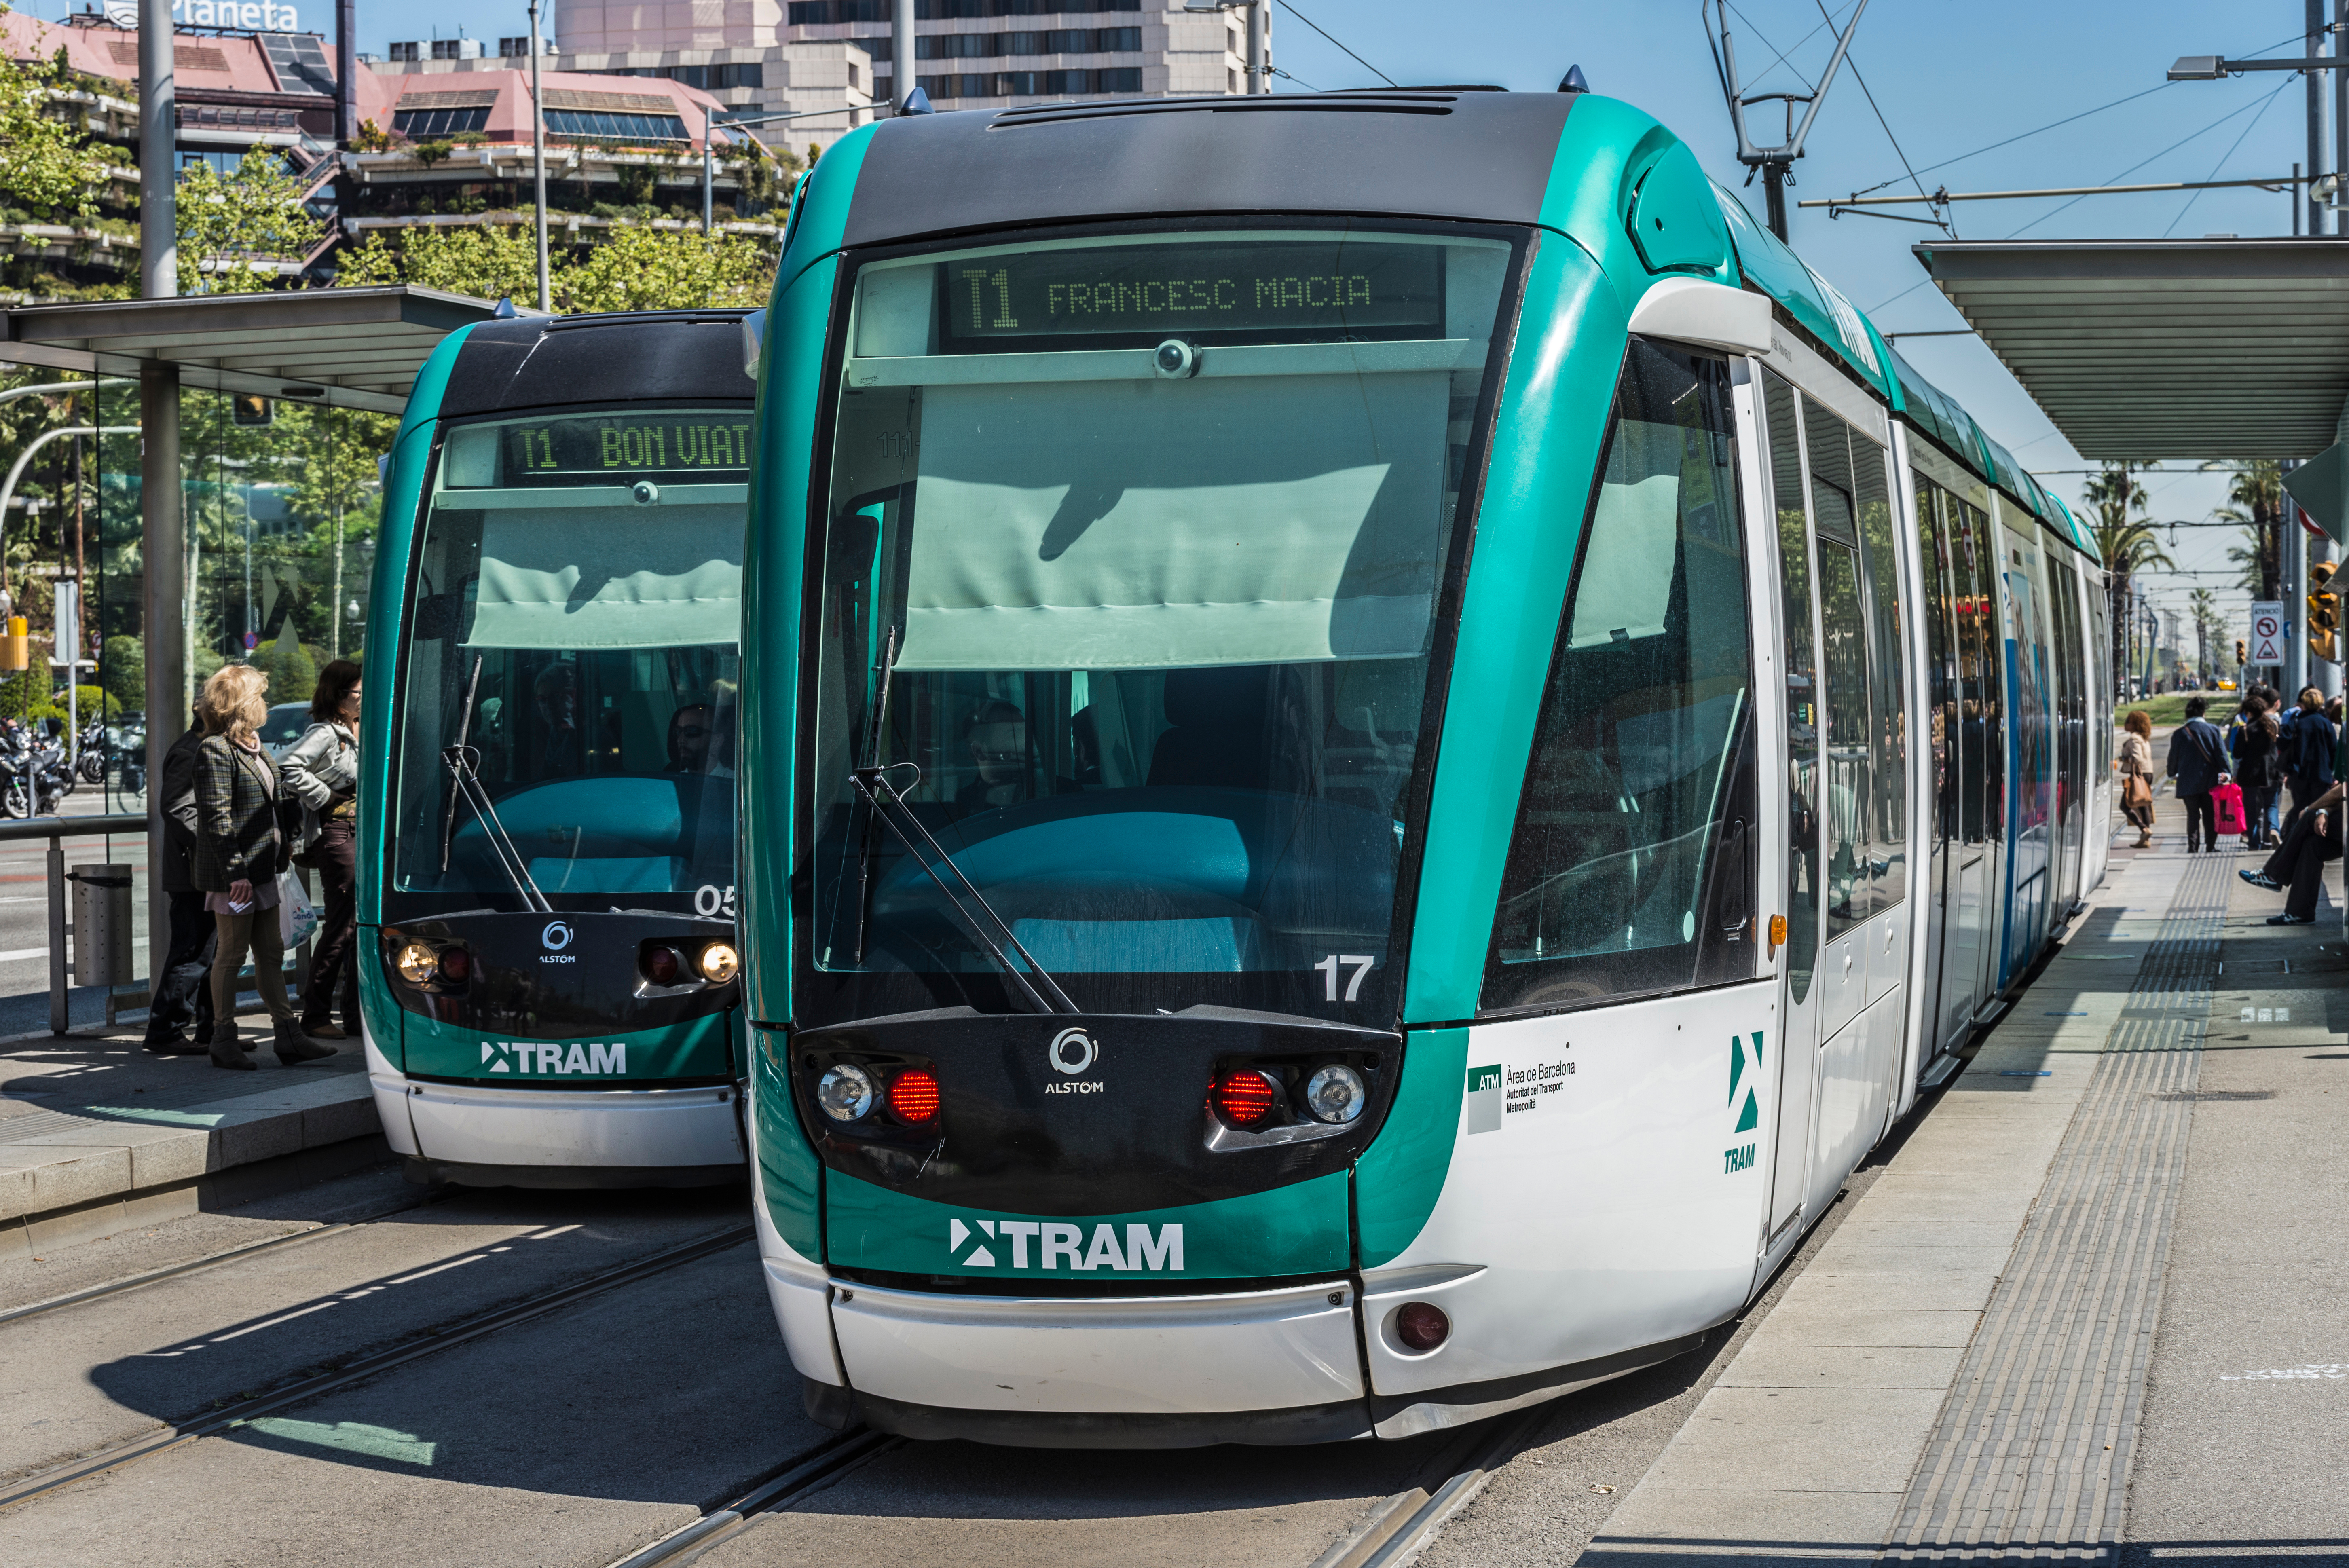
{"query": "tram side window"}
(1847, 792)
(1631, 867)
(1888, 744)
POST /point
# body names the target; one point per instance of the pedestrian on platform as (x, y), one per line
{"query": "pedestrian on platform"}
(182, 996)
(2137, 775)
(240, 849)
(322, 771)
(2307, 751)
(2258, 767)
(2198, 760)
(2297, 870)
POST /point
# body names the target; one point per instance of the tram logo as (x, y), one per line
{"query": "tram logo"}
(556, 938)
(1749, 1116)
(1072, 1051)
(554, 1057)
(1146, 1250)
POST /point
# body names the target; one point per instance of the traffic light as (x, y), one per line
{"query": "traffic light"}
(2323, 612)
(2243, 653)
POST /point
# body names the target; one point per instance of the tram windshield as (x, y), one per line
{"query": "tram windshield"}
(574, 626)
(1130, 582)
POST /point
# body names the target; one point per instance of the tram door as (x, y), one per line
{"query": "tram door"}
(2031, 829)
(2072, 750)
(1946, 1003)
(1982, 679)
(1805, 891)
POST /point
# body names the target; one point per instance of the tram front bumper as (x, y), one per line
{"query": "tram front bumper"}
(1278, 1366)
(482, 1136)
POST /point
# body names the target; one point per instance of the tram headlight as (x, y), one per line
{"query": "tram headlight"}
(845, 1091)
(418, 964)
(721, 962)
(1335, 1094)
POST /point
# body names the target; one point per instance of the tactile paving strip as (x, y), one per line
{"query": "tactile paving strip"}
(2030, 1459)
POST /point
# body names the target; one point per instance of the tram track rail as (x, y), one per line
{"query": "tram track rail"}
(228, 1416)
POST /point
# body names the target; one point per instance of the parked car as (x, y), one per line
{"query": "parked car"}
(284, 727)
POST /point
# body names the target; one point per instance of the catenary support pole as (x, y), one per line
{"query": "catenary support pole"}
(347, 71)
(165, 617)
(538, 160)
(2295, 603)
(2315, 45)
(1259, 46)
(902, 51)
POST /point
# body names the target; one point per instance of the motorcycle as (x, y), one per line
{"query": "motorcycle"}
(129, 742)
(91, 763)
(37, 776)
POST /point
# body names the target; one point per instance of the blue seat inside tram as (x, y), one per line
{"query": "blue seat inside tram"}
(609, 835)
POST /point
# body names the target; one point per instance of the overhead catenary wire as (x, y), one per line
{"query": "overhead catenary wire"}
(1348, 53)
(2213, 175)
(1853, 61)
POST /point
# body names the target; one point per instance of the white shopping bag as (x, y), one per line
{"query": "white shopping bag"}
(297, 917)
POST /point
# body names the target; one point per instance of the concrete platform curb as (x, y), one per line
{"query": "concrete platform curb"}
(97, 1135)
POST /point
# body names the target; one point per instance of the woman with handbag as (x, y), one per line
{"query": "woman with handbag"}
(240, 853)
(2137, 775)
(322, 771)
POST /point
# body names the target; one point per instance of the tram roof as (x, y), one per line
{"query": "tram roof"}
(354, 349)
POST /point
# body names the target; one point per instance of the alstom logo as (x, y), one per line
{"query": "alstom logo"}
(1051, 1241)
(553, 1057)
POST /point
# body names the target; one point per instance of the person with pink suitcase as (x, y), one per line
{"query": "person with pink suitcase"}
(2198, 760)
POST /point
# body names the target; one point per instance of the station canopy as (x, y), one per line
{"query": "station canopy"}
(2146, 349)
(352, 348)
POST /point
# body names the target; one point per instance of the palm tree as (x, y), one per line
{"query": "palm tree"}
(2255, 499)
(2129, 545)
(2210, 627)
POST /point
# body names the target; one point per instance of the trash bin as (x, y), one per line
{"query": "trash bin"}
(101, 925)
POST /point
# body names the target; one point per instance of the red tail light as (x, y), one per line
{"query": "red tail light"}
(914, 1096)
(456, 966)
(1244, 1098)
(661, 966)
(1421, 1326)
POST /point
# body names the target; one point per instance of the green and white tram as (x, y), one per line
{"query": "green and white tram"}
(1380, 741)
(548, 968)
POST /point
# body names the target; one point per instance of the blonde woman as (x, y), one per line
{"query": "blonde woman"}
(240, 849)
(2137, 775)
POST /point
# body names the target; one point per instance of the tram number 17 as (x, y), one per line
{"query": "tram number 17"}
(1329, 969)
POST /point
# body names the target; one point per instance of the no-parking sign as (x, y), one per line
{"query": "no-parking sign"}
(2268, 632)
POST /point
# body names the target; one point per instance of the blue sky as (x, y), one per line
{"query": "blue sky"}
(1949, 76)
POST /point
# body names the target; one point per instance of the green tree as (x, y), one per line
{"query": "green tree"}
(293, 673)
(653, 269)
(2255, 499)
(229, 222)
(48, 165)
(2210, 632)
(122, 670)
(486, 261)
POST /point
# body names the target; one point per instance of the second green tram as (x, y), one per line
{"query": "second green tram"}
(549, 971)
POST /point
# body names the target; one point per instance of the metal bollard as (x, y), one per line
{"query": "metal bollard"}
(101, 925)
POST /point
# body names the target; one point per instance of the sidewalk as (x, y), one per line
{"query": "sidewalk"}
(1983, 1356)
(96, 1134)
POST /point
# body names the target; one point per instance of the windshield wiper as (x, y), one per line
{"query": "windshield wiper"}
(464, 733)
(871, 762)
(1041, 992)
(466, 780)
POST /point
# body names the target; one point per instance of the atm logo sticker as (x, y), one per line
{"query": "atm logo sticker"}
(1485, 1098)
(1749, 1115)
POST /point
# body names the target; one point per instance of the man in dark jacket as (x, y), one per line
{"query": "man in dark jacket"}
(2198, 760)
(180, 994)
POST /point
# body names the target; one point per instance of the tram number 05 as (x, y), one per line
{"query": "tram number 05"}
(1328, 968)
(710, 901)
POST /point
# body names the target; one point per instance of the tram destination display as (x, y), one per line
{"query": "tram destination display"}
(623, 447)
(1274, 291)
